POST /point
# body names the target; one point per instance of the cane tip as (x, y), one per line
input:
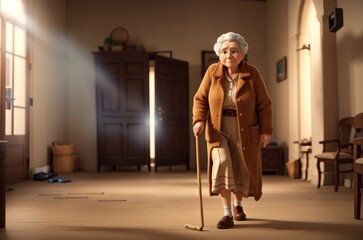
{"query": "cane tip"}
(192, 227)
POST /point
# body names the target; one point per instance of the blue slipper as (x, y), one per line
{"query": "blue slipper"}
(52, 180)
(63, 180)
(60, 180)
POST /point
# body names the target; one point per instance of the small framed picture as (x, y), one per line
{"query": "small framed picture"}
(208, 57)
(281, 69)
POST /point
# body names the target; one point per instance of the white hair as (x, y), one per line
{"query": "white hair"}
(228, 37)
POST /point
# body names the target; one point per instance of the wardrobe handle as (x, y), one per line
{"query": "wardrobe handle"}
(161, 113)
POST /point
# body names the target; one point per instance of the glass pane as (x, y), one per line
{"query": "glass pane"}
(8, 122)
(20, 44)
(9, 71)
(14, 8)
(19, 82)
(9, 37)
(9, 86)
(19, 121)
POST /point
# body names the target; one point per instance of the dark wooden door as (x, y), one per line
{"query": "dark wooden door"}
(122, 109)
(171, 103)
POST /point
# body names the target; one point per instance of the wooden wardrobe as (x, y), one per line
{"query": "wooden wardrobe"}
(122, 100)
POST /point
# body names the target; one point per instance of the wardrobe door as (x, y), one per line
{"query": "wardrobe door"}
(122, 83)
(171, 103)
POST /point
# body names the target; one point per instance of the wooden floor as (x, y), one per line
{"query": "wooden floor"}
(149, 205)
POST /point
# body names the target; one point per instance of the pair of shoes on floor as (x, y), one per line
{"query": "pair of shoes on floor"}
(238, 213)
(225, 222)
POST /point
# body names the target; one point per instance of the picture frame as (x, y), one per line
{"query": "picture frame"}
(281, 70)
(208, 58)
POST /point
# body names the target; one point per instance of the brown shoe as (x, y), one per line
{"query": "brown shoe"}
(239, 215)
(225, 222)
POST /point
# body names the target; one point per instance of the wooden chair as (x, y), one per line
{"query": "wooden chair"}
(343, 153)
(358, 163)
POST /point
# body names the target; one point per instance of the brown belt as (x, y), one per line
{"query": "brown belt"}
(229, 112)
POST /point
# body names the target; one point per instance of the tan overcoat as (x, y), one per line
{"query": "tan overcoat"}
(254, 116)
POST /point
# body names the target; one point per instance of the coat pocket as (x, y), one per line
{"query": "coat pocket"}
(255, 134)
(211, 134)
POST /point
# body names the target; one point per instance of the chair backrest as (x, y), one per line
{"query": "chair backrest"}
(346, 131)
(358, 124)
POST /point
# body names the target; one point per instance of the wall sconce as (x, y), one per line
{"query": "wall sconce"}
(304, 47)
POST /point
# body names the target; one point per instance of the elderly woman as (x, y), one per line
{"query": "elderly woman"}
(234, 107)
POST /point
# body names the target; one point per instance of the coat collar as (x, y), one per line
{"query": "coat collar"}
(243, 69)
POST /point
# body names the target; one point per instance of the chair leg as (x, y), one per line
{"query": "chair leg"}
(336, 176)
(357, 195)
(319, 171)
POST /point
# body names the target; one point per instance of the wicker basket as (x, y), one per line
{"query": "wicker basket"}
(293, 169)
(64, 157)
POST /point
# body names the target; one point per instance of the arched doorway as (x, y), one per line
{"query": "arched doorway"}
(313, 29)
(309, 42)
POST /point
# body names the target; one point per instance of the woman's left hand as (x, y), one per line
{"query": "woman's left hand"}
(265, 139)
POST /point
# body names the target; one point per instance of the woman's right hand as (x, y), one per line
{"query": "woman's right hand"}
(198, 128)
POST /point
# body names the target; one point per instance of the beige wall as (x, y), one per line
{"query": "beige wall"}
(350, 58)
(277, 47)
(48, 78)
(62, 79)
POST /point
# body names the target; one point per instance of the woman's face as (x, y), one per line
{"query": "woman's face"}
(231, 55)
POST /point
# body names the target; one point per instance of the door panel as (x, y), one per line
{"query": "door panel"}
(136, 98)
(16, 151)
(122, 109)
(123, 141)
(113, 141)
(171, 102)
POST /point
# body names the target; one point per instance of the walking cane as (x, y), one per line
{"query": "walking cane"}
(194, 227)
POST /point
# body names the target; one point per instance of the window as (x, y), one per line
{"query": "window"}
(13, 46)
(14, 9)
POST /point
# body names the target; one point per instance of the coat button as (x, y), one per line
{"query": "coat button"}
(242, 129)
(240, 114)
(244, 148)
